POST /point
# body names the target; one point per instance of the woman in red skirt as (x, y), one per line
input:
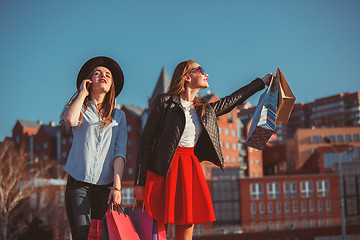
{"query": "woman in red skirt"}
(180, 132)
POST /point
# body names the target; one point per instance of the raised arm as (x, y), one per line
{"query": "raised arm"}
(72, 113)
(226, 104)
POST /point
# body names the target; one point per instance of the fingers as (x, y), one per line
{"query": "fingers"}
(109, 198)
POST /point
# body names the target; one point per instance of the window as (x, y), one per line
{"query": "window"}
(129, 142)
(332, 138)
(323, 188)
(45, 145)
(287, 209)
(278, 225)
(228, 159)
(226, 201)
(271, 209)
(230, 117)
(355, 137)
(254, 226)
(312, 207)
(127, 196)
(256, 191)
(271, 226)
(226, 131)
(221, 144)
(262, 209)
(262, 226)
(258, 162)
(303, 208)
(129, 128)
(227, 145)
(64, 141)
(328, 207)
(278, 209)
(347, 138)
(295, 208)
(307, 189)
(253, 210)
(320, 207)
(234, 146)
(312, 223)
(316, 139)
(329, 222)
(130, 171)
(220, 130)
(234, 132)
(273, 190)
(235, 159)
(290, 189)
(251, 161)
(339, 138)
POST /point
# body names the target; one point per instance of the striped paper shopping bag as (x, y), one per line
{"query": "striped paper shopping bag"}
(264, 120)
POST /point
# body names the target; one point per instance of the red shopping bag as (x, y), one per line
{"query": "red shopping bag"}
(95, 231)
(120, 226)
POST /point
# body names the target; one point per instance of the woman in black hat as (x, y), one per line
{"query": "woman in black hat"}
(96, 160)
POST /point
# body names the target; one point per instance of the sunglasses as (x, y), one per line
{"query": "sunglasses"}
(199, 69)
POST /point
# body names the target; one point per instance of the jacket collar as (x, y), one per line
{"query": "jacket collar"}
(176, 99)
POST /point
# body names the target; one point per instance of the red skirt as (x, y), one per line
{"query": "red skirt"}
(183, 196)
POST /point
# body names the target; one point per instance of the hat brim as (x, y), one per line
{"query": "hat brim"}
(112, 65)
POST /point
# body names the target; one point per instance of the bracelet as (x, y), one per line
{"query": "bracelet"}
(116, 189)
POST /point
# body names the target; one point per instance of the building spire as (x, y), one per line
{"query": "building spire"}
(162, 83)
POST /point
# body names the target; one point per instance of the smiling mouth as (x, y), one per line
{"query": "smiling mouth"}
(102, 81)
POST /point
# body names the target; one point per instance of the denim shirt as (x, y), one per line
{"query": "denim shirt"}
(94, 147)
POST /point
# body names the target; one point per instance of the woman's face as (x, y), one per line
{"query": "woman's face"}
(197, 77)
(101, 79)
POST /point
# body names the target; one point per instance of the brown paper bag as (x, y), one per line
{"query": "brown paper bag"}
(286, 99)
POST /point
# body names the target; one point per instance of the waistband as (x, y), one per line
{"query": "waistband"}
(73, 181)
(189, 150)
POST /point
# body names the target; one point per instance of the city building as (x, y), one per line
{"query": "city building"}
(308, 140)
(289, 202)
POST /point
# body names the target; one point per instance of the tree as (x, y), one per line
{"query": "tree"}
(17, 176)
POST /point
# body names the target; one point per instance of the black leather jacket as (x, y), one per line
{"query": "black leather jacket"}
(166, 111)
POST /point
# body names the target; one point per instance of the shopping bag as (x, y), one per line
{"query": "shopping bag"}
(120, 226)
(145, 226)
(264, 120)
(159, 232)
(286, 99)
(105, 231)
(95, 231)
(141, 220)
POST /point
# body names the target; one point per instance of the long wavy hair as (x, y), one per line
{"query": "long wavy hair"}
(107, 105)
(177, 84)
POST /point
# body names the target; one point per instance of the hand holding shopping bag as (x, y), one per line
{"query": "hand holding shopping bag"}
(264, 120)
(119, 225)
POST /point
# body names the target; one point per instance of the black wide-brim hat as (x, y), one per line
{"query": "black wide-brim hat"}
(112, 65)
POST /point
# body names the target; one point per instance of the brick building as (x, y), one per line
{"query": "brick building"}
(308, 140)
(289, 202)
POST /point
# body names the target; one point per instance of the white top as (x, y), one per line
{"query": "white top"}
(193, 126)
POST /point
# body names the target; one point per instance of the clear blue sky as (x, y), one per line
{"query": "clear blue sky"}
(43, 44)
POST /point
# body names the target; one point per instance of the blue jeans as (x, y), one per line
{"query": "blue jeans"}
(84, 201)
